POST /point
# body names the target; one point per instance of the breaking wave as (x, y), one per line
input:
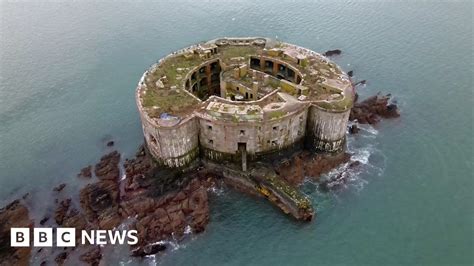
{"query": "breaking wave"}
(216, 190)
(366, 160)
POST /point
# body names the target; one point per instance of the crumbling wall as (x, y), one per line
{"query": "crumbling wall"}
(326, 129)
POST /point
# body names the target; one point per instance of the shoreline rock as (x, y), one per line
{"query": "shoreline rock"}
(86, 172)
(330, 53)
(372, 109)
(14, 214)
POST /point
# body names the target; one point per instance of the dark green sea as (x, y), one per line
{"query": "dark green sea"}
(68, 72)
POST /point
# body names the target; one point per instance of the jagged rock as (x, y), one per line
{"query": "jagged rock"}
(61, 258)
(61, 211)
(14, 214)
(59, 188)
(107, 168)
(100, 203)
(44, 220)
(332, 52)
(371, 109)
(158, 217)
(359, 82)
(148, 250)
(354, 129)
(86, 172)
(350, 73)
(304, 164)
(92, 256)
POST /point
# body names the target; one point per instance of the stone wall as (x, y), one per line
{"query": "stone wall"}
(220, 139)
(326, 129)
(173, 146)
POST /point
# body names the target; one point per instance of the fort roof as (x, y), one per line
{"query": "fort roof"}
(210, 78)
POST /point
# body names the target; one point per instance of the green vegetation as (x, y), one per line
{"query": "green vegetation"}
(167, 101)
(173, 69)
(276, 114)
(279, 184)
(340, 105)
(237, 51)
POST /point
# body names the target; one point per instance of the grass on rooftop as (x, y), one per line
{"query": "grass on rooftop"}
(167, 101)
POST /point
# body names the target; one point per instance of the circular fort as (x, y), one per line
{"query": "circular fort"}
(238, 99)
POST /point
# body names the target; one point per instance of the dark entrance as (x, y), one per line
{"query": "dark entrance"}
(242, 147)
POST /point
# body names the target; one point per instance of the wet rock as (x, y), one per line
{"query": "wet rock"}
(92, 256)
(110, 143)
(107, 168)
(350, 73)
(159, 216)
(99, 201)
(59, 188)
(332, 52)
(305, 164)
(292, 169)
(332, 184)
(148, 250)
(61, 258)
(354, 129)
(363, 82)
(14, 214)
(61, 211)
(371, 109)
(354, 164)
(44, 220)
(86, 172)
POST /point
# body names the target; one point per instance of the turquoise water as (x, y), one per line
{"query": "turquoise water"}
(68, 73)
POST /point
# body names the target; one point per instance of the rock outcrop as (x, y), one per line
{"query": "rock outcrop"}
(305, 164)
(370, 110)
(14, 214)
(332, 52)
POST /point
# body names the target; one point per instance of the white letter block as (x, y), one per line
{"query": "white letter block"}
(20, 236)
(65, 237)
(43, 237)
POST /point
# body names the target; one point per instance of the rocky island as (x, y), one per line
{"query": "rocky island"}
(255, 114)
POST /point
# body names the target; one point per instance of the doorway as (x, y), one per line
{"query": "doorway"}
(242, 149)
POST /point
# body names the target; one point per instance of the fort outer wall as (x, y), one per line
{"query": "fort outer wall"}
(177, 146)
(172, 146)
(219, 139)
(326, 130)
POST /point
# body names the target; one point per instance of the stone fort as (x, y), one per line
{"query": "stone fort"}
(240, 99)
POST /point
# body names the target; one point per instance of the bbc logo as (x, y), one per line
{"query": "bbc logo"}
(43, 237)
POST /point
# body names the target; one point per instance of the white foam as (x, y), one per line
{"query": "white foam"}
(188, 230)
(362, 155)
(216, 190)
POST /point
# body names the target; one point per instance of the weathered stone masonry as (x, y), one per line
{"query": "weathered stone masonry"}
(240, 98)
